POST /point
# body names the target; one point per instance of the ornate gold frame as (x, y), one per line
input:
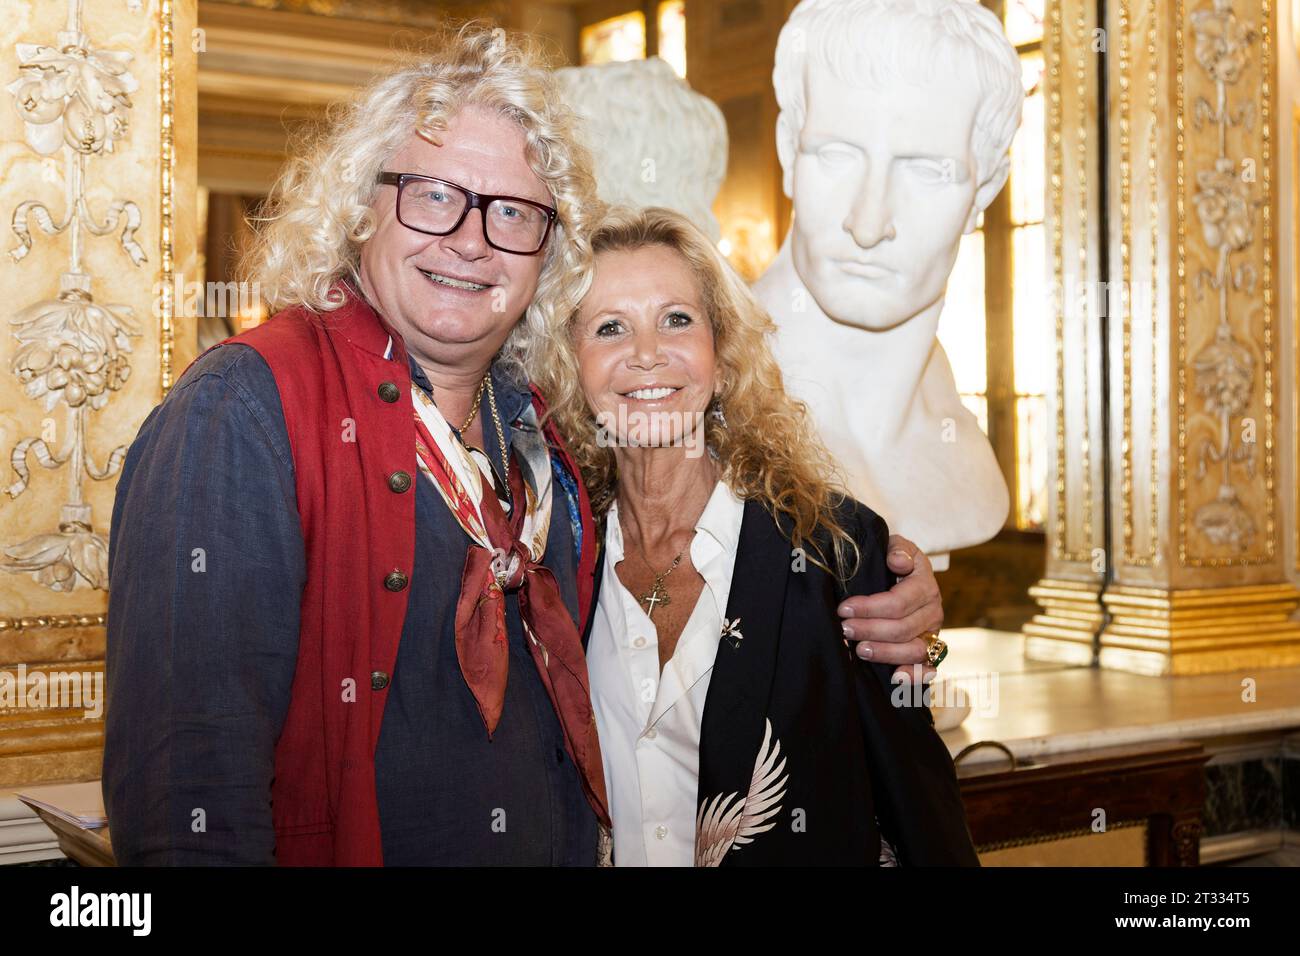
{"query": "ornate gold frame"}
(1055, 42)
(1150, 555)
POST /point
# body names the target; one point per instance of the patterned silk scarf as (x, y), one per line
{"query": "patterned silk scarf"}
(505, 558)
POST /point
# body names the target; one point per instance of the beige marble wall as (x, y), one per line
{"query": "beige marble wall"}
(105, 124)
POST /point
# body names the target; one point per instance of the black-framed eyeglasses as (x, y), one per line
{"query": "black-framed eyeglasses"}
(437, 207)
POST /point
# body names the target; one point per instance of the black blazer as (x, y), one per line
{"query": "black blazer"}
(842, 763)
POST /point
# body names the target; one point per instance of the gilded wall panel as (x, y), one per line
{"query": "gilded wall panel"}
(97, 201)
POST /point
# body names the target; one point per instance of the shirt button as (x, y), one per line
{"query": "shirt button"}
(399, 481)
(378, 680)
(395, 580)
(661, 832)
(388, 392)
(651, 734)
(639, 642)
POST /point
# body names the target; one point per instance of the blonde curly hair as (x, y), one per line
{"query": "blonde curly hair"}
(318, 214)
(765, 443)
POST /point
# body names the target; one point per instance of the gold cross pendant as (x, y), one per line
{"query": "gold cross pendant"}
(658, 595)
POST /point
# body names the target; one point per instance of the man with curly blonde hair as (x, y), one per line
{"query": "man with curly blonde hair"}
(351, 562)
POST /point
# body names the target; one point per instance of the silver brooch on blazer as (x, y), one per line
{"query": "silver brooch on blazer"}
(731, 633)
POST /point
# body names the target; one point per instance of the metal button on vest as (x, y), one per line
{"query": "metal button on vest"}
(389, 392)
(378, 680)
(395, 580)
(399, 481)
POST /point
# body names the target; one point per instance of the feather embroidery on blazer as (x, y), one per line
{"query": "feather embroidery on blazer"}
(725, 824)
(888, 855)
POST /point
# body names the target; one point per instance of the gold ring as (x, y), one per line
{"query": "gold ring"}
(935, 649)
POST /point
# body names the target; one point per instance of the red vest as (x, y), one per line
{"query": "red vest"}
(351, 425)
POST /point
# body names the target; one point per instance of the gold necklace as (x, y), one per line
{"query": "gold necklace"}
(501, 434)
(658, 593)
(486, 384)
(478, 398)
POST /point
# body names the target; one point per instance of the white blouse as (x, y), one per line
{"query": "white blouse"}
(649, 723)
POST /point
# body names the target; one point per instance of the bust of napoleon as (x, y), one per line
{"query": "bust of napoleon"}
(896, 117)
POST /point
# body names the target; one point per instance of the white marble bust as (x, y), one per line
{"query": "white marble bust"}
(655, 141)
(896, 117)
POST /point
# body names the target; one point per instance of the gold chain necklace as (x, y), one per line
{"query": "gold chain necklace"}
(486, 385)
(478, 398)
(501, 434)
(658, 593)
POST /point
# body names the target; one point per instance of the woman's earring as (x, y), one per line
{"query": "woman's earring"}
(718, 416)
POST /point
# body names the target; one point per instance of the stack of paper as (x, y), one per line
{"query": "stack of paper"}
(81, 804)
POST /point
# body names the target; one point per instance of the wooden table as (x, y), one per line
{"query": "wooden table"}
(1159, 788)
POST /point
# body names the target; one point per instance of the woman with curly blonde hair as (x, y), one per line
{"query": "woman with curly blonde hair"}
(735, 724)
(761, 438)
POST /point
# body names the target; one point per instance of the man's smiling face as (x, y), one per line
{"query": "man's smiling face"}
(405, 273)
(884, 185)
